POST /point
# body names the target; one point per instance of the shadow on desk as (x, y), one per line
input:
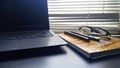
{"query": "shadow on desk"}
(31, 53)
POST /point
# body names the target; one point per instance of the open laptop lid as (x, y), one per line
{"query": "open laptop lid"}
(18, 15)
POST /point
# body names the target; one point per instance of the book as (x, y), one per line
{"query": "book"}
(93, 49)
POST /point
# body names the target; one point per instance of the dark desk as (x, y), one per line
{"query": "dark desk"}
(58, 57)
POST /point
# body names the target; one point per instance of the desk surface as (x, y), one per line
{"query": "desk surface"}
(58, 57)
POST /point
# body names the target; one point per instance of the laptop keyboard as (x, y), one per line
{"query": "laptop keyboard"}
(25, 35)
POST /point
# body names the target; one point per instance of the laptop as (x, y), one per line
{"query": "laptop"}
(24, 24)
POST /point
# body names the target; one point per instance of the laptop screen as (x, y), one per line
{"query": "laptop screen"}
(23, 15)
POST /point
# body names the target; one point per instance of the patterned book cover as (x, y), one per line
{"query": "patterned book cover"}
(94, 49)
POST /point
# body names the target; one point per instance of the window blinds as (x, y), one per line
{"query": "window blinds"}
(71, 14)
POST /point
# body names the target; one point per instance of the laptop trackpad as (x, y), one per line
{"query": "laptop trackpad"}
(34, 43)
